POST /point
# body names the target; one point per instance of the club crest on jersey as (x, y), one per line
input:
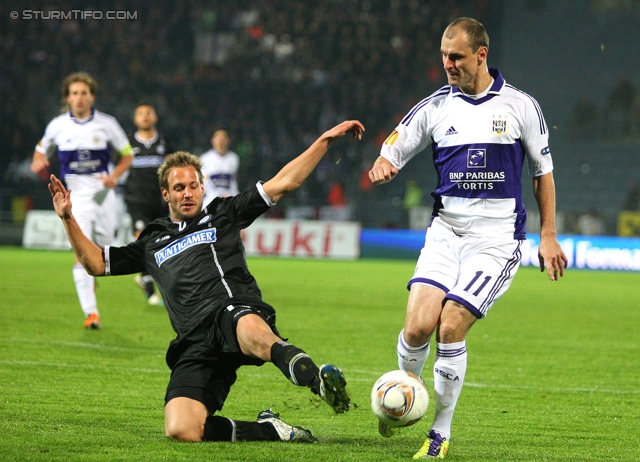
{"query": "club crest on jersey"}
(392, 138)
(476, 158)
(207, 236)
(499, 126)
(204, 219)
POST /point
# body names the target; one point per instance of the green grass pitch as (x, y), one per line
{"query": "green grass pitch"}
(553, 375)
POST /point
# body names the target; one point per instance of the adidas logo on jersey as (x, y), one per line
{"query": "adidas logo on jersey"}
(451, 131)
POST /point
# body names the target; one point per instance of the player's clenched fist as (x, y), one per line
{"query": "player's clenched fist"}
(383, 171)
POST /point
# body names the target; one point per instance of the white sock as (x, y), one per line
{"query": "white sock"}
(410, 358)
(85, 286)
(448, 376)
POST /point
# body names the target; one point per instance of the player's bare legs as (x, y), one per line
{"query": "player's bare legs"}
(255, 337)
(427, 311)
(184, 419)
(455, 322)
(423, 314)
(257, 340)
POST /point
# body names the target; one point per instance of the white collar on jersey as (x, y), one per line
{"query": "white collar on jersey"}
(148, 142)
(480, 95)
(82, 121)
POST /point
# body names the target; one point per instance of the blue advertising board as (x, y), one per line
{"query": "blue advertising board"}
(585, 252)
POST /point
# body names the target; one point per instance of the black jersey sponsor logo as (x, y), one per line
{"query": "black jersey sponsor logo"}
(207, 236)
(163, 238)
(204, 219)
(147, 161)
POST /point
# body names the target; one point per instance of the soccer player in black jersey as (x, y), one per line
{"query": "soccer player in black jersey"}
(215, 306)
(141, 192)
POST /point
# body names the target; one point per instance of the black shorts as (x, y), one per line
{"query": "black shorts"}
(143, 214)
(204, 363)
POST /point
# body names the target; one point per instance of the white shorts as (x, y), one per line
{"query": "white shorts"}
(96, 215)
(473, 271)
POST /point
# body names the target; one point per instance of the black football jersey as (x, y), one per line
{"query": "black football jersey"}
(198, 265)
(142, 186)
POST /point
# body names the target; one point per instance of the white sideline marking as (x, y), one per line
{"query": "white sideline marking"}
(83, 366)
(96, 346)
(371, 375)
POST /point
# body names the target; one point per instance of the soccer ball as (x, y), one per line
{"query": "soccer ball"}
(399, 399)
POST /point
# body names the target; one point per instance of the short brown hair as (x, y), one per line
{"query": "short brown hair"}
(475, 31)
(178, 159)
(78, 77)
(73, 78)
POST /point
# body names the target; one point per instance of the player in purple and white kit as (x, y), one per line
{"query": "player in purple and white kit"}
(220, 167)
(83, 138)
(481, 130)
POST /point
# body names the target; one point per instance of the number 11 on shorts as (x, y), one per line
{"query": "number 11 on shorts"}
(474, 280)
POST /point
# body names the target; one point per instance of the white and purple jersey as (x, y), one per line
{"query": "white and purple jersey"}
(219, 173)
(83, 148)
(479, 145)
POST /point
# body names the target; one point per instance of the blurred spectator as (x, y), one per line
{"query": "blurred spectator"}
(591, 224)
(336, 197)
(273, 72)
(619, 104)
(584, 121)
(632, 198)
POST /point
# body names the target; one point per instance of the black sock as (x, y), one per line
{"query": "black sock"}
(217, 428)
(296, 365)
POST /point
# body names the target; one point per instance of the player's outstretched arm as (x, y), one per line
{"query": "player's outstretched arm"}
(382, 171)
(89, 254)
(550, 253)
(295, 172)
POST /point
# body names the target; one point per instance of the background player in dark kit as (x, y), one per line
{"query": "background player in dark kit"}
(142, 192)
(214, 303)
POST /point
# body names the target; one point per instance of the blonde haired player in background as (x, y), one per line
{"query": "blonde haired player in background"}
(481, 130)
(214, 304)
(82, 138)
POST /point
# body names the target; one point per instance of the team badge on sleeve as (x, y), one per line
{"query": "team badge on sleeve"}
(391, 138)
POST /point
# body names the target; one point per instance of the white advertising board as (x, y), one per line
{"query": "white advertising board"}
(303, 238)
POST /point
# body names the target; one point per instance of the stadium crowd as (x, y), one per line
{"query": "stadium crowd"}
(276, 73)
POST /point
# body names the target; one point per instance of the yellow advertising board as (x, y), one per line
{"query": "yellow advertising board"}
(629, 223)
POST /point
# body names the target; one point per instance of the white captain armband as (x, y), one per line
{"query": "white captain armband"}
(105, 258)
(264, 195)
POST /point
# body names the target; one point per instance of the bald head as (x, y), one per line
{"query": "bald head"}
(476, 33)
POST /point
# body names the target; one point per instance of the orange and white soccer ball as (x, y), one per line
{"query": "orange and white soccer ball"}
(399, 399)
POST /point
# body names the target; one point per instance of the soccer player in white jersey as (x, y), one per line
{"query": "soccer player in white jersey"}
(220, 167)
(481, 130)
(83, 138)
